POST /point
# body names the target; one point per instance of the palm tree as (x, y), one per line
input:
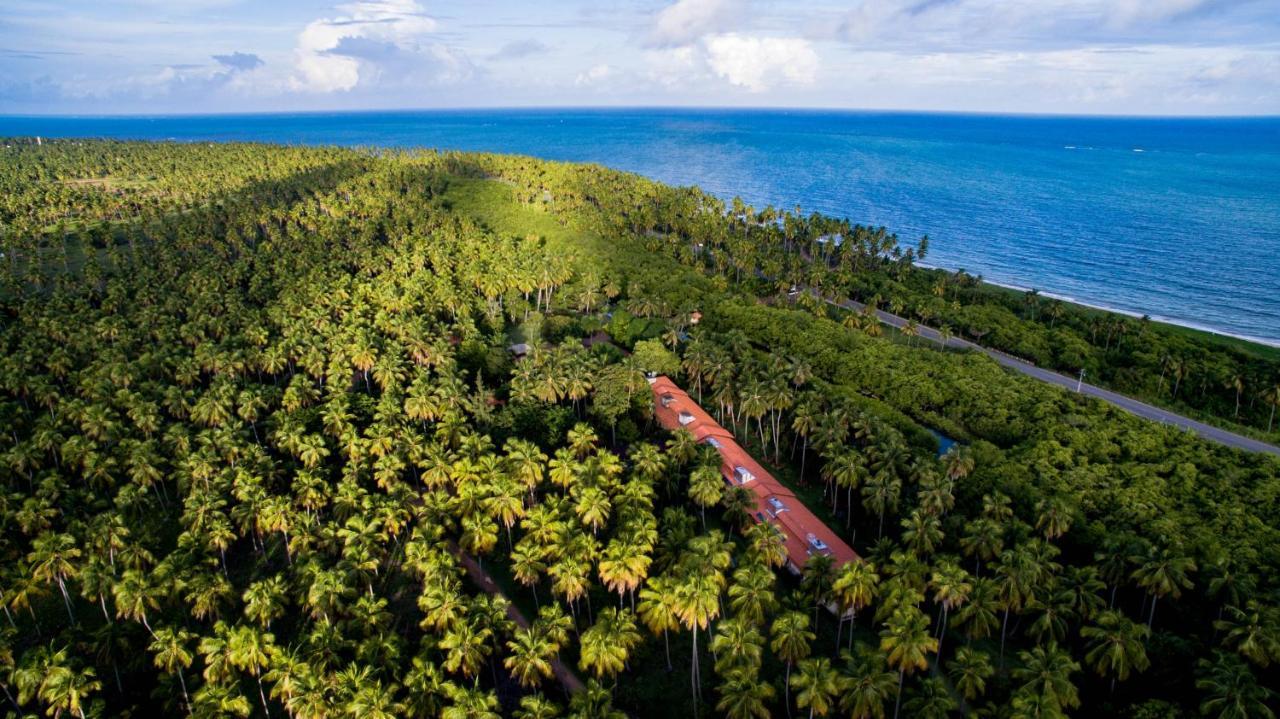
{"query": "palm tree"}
(982, 540)
(855, 586)
(1231, 690)
(933, 700)
(881, 494)
(751, 595)
(907, 645)
(737, 645)
(172, 655)
(951, 589)
(697, 602)
(1046, 673)
(264, 601)
(1271, 396)
(1163, 573)
(705, 489)
(970, 669)
(65, 689)
(474, 703)
(536, 706)
(607, 643)
(1235, 381)
(52, 560)
(530, 658)
(1116, 646)
(658, 610)
(816, 579)
(1054, 516)
(767, 544)
(922, 531)
(247, 650)
(911, 330)
(867, 685)
(791, 639)
(134, 595)
(466, 647)
(1252, 631)
(744, 696)
(818, 686)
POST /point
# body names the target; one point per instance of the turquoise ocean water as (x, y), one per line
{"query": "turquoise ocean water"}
(1175, 218)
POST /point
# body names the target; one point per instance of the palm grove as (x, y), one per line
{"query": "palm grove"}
(265, 443)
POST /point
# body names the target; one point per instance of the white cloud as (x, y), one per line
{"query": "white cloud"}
(688, 20)
(594, 75)
(331, 51)
(758, 63)
(674, 67)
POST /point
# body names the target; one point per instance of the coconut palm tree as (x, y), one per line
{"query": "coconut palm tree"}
(705, 489)
(969, 670)
(1271, 396)
(867, 685)
(1045, 672)
(606, 645)
(1231, 690)
(855, 586)
(1163, 573)
(907, 645)
(818, 686)
(53, 561)
(922, 532)
(172, 655)
(744, 696)
(1116, 646)
(932, 701)
(658, 610)
(751, 594)
(737, 644)
(951, 589)
(530, 659)
(697, 602)
(791, 641)
(1252, 631)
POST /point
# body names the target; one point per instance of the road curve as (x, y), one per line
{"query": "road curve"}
(1129, 404)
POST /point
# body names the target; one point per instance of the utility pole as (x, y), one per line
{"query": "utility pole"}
(1080, 380)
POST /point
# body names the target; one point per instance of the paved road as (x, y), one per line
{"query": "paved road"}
(1142, 409)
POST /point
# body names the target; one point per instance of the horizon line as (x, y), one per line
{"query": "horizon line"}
(602, 108)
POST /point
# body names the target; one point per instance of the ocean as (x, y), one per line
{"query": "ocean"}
(1174, 218)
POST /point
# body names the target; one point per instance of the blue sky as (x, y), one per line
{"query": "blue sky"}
(1200, 57)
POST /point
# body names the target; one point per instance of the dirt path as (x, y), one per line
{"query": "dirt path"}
(484, 580)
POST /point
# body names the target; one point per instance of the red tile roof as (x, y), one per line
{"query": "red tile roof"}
(793, 519)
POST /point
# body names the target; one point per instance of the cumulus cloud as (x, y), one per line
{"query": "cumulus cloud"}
(758, 63)
(374, 40)
(688, 20)
(595, 75)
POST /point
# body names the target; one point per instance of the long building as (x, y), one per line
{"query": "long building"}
(775, 505)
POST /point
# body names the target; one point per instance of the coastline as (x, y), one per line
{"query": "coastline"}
(1268, 344)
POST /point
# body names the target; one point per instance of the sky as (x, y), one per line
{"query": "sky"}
(1147, 57)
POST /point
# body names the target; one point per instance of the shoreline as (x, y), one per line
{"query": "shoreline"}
(1184, 324)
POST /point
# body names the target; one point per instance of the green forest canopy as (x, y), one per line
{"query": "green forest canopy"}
(263, 425)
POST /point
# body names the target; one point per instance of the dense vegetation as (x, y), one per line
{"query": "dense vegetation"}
(266, 449)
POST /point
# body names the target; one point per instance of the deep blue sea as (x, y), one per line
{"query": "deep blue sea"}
(1175, 218)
